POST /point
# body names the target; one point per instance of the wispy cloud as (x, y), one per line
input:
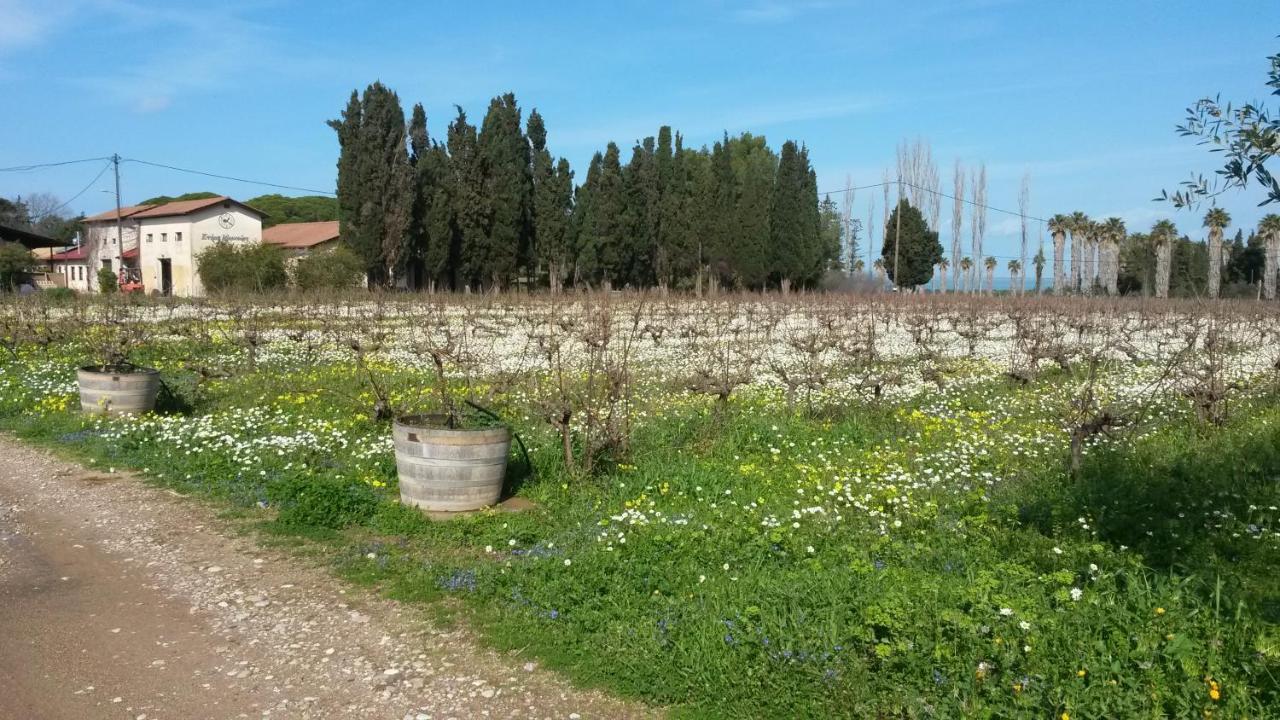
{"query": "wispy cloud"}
(776, 11)
(24, 23)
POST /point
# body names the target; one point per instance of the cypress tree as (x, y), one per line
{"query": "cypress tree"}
(470, 211)
(582, 226)
(508, 183)
(670, 192)
(918, 249)
(719, 206)
(552, 203)
(788, 252)
(754, 168)
(349, 187)
(375, 169)
(642, 195)
(609, 207)
(817, 258)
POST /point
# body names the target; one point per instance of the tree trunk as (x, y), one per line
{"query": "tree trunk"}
(1059, 275)
(1163, 251)
(1271, 266)
(1215, 261)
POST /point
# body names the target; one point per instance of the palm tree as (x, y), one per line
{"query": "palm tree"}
(1112, 234)
(1216, 220)
(991, 264)
(1269, 229)
(859, 266)
(878, 265)
(1162, 234)
(1059, 225)
(1015, 277)
(942, 272)
(1078, 224)
(966, 264)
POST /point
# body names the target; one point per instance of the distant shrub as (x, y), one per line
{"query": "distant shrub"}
(59, 295)
(336, 269)
(107, 282)
(15, 261)
(228, 267)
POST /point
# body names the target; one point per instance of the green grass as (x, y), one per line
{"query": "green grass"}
(866, 561)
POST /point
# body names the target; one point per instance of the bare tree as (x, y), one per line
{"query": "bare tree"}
(978, 225)
(1024, 202)
(957, 223)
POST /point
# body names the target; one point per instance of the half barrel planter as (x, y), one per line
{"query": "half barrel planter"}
(118, 391)
(447, 469)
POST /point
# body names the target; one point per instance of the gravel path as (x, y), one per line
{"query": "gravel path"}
(119, 600)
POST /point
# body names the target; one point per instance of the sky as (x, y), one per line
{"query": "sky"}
(1083, 96)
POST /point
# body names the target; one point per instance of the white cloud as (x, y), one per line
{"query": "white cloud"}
(22, 24)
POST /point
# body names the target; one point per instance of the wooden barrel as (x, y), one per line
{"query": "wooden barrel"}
(118, 391)
(445, 469)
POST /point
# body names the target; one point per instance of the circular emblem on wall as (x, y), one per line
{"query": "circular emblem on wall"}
(227, 220)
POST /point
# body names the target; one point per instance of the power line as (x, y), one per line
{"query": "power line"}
(935, 192)
(229, 177)
(38, 166)
(77, 195)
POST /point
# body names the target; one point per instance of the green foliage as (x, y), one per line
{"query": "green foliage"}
(321, 502)
(1248, 137)
(15, 262)
(163, 199)
(280, 209)
(913, 244)
(107, 281)
(375, 193)
(506, 240)
(333, 269)
(232, 267)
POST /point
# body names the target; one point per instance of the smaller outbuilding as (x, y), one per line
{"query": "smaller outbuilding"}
(298, 239)
(73, 266)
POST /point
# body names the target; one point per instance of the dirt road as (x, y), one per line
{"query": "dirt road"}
(118, 600)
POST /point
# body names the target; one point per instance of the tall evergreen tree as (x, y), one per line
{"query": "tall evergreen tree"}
(671, 193)
(508, 191)
(918, 249)
(373, 169)
(754, 167)
(795, 252)
(831, 231)
(552, 200)
(640, 237)
(470, 210)
(587, 266)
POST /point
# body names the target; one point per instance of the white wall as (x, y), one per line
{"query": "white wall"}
(200, 230)
(99, 240)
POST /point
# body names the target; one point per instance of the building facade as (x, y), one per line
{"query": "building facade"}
(155, 247)
(172, 236)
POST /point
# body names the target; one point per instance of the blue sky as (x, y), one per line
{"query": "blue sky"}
(1082, 95)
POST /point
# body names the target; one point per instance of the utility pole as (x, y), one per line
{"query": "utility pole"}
(897, 236)
(115, 161)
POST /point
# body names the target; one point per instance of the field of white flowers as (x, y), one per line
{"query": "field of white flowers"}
(753, 506)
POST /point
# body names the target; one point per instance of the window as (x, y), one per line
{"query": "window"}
(148, 237)
(164, 237)
(177, 237)
(106, 264)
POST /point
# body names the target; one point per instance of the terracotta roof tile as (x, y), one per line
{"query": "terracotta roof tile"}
(76, 253)
(301, 235)
(127, 211)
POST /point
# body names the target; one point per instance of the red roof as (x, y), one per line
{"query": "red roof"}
(179, 207)
(127, 211)
(301, 235)
(75, 253)
(186, 207)
(131, 253)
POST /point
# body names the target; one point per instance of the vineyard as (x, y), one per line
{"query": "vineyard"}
(748, 505)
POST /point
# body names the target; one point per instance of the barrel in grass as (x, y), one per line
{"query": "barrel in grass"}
(118, 391)
(449, 469)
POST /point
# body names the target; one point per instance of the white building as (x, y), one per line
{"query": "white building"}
(172, 236)
(73, 265)
(161, 242)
